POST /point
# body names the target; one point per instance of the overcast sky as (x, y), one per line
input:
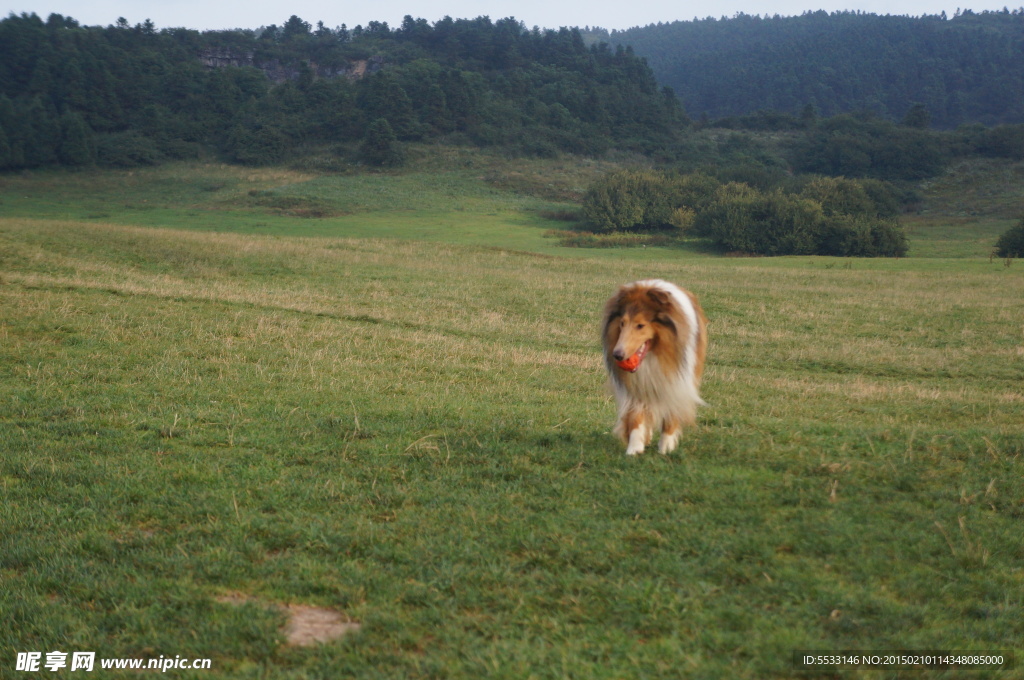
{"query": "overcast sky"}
(204, 14)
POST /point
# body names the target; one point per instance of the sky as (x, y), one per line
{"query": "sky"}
(207, 15)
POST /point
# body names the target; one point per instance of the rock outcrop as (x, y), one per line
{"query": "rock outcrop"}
(279, 72)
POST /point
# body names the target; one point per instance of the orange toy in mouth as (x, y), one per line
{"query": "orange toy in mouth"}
(633, 362)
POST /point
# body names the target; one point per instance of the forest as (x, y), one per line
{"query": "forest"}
(963, 69)
(123, 95)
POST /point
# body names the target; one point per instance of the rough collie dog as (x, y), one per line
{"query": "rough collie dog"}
(655, 338)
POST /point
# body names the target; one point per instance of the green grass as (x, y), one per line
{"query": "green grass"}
(454, 196)
(966, 209)
(417, 433)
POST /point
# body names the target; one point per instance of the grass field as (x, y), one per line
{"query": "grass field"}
(211, 407)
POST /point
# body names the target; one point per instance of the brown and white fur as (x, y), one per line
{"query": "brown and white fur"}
(663, 389)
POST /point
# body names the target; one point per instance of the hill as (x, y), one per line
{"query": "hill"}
(964, 69)
(130, 95)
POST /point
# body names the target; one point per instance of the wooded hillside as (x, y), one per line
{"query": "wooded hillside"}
(964, 69)
(123, 95)
(126, 95)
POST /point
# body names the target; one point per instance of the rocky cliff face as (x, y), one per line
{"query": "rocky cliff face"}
(280, 73)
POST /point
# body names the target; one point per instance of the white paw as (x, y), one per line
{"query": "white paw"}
(634, 450)
(668, 442)
(637, 441)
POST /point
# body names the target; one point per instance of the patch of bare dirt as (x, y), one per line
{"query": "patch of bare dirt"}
(306, 625)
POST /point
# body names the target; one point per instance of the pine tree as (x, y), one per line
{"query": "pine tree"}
(917, 117)
(77, 145)
(43, 134)
(5, 151)
(381, 147)
(382, 97)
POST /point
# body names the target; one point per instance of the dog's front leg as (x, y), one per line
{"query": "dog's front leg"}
(669, 436)
(638, 433)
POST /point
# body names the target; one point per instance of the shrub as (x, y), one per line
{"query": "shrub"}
(859, 146)
(1011, 243)
(859, 221)
(884, 195)
(840, 196)
(259, 145)
(631, 200)
(830, 216)
(692, 192)
(861, 236)
(1005, 141)
(621, 200)
(889, 239)
(126, 150)
(741, 218)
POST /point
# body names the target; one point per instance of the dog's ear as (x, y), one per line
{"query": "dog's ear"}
(666, 320)
(613, 309)
(617, 303)
(660, 297)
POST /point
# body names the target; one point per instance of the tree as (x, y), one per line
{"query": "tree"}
(146, 95)
(917, 117)
(381, 96)
(965, 69)
(43, 134)
(381, 147)
(295, 29)
(866, 146)
(77, 143)
(12, 133)
(809, 116)
(435, 110)
(1011, 243)
(5, 151)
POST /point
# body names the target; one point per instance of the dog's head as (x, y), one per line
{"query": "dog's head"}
(634, 319)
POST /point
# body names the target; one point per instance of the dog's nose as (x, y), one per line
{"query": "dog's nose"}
(619, 355)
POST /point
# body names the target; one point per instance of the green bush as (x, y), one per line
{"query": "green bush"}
(744, 219)
(259, 145)
(1005, 141)
(884, 195)
(859, 218)
(889, 239)
(829, 215)
(840, 196)
(861, 236)
(126, 150)
(631, 200)
(864, 146)
(1011, 243)
(621, 200)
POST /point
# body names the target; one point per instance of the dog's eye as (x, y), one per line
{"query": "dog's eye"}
(639, 326)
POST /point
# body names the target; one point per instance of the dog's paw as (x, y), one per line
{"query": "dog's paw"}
(668, 442)
(637, 441)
